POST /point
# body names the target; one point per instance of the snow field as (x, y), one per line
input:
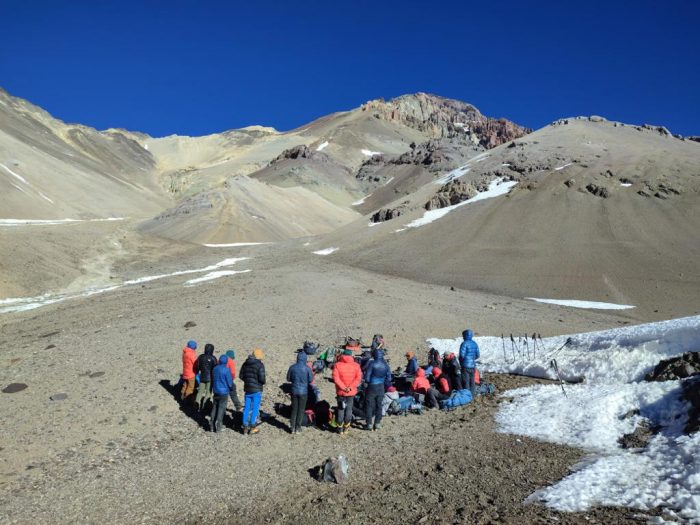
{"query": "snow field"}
(610, 402)
(583, 304)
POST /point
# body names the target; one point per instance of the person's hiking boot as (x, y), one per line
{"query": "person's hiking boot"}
(253, 430)
(377, 426)
(293, 430)
(346, 428)
(245, 430)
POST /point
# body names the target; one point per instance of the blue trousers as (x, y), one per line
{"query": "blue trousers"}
(251, 408)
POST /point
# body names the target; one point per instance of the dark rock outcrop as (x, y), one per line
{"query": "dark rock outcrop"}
(451, 193)
(598, 191)
(680, 367)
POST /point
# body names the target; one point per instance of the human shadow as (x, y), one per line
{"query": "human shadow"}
(189, 409)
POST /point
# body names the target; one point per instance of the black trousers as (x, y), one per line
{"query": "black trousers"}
(298, 407)
(373, 400)
(434, 396)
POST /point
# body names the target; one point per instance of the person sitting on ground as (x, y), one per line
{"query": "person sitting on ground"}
(189, 357)
(390, 396)
(420, 384)
(253, 376)
(231, 364)
(347, 377)
(439, 391)
(204, 366)
(221, 386)
(434, 358)
(451, 368)
(468, 354)
(378, 378)
(301, 377)
(411, 364)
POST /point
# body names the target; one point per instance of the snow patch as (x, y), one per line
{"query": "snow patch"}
(625, 184)
(52, 222)
(497, 188)
(361, 201)
(452, 175)
(370, 153)
(387, 182)
(234, 244)
(564, 166)
(18, 177)
(326, 251)
(611, 401)
(214, 275)
(45, 198)
(583, 304)
(222, 264)
(322, 146)
(400, 230)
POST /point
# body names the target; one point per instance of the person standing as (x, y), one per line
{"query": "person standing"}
(253, 377)
(221, 386)
(347, 376)
(301, 377)
(468, 354)
(378, 378)
(231, 363)
(205, 366)
(189, 357)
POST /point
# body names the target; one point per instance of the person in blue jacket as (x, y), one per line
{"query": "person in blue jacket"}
(411, 364)
(300, 376)
(222, 384)
(468, 354)
(378, 378)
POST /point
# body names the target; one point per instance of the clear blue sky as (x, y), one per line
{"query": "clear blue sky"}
(200, 67)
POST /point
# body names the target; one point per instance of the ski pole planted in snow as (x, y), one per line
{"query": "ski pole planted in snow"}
(512, 346)
(503, 342)
(553, 363)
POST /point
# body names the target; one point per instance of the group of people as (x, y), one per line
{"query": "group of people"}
(361, 377)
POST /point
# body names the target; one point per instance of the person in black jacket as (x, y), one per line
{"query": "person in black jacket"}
(205, 366)
(452, 369)
(300, 376)
(253, 376)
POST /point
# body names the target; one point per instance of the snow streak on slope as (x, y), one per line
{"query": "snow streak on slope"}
(321, 147)
(496, 188)
(326, 251)
(594, 414)
(369, 153)
(574, 303)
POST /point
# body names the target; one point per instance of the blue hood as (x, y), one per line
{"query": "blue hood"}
(378, 354)
(301, 357)
(192, 344)
(223, 359)
(467, 334)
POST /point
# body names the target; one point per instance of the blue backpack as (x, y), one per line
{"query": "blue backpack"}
(485, 389)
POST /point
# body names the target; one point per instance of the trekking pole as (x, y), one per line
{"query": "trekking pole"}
(566, 343)
(553, 364)
(534, 347)
(527, 348)
(512, 346)
(503, 343)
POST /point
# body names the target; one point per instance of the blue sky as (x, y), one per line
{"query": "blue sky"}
(201, 67)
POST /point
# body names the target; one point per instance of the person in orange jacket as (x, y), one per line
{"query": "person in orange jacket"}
(420, 384)
(347, 376)
(439, 391)
(231, 364)
(189, 358)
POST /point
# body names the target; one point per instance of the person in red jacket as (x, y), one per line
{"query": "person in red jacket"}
(189, 358)
(347, 376)
(420, 384)
(439, 391)
(231, 364)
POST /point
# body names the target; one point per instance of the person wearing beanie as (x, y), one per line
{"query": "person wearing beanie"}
(253, 377)
(231, 364)
(411, 364)
(390, 396)
(301, 377)
(347, 377)
(204, 366)
(221, 386)
(189, 357)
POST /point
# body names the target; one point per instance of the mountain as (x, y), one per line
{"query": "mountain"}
(601, 211)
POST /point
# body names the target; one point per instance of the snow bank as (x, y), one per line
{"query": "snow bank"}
(497, 188)
(583, 304)
(370, 153)
(326, 251)
(610, 402)
(235, 244)
(52, 222)
(322, 146)
(214, 275)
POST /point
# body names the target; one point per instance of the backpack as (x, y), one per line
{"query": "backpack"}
(477, 376)
(485, 389)
(394, 408)
(434, 358)
(309, 348)
(458, 398)
(335, 470)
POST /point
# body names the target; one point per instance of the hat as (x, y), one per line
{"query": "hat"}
(258, 354)
(391, 389)
(230, 353)
(347, 351)
(410, 355)
(192, 344)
